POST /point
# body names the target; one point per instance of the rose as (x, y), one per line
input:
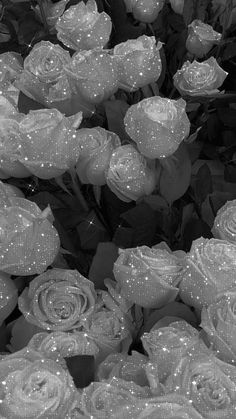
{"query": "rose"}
(8, 191)
(81, 27)
(96, 147)
(145, 11)
(52, 12)
(31, 386)
(11, 65)
(157, 125)
(127, 367)
(128, 176)
(177, 6)
(55, 345)
(86, 69)
(225, 222)
(148, 276)
(218, 321)
(201, 38)
(28, 241)
(139, 62)
(199, 79)
(208, 382)
(104, 399)
(210, 269)
(8, 296)
(58, 300)
(48, 142)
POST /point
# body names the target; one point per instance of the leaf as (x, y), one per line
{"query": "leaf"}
(230, 173)
(194, 229)
(91, 231)
(115, 113)
(82, 369)
(188, 12)
(123, 29)
(175, 174)
(229, 52)
(156, 202)
(202, 184)
(213, 203)
(123, 237)
(176, 22)
(99, 270)
(227, 117)
(201, 7)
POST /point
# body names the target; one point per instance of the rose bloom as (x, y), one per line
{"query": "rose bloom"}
(48, 142)
(11, 65)
(124, 366)
(225, 222)
(128, 176)
(166, 345)
(8, 296)
(148, 276)
(199, 79)
(177, 6)
(82, 27)
(34, 387)
(139, 62)
(208, 382)
(144, 10)
(8, 191)
(93, 75)
(56, 345)
(52, 12)
(158, 125)
(219, 324)
(201, 38)
(103, 400)
(28, 241)
(210, 269)
(58, 300)
(96, 147)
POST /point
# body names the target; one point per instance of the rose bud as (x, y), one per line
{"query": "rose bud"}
(48, 141)
(201, 38)
(177, 6)
(11, 65)
(128, 175)
(210, 270)
(158, 125)
(148, 276)
(143, 10)
(139, 62)
(68, 298)
(34, 387)
(93, 74)
(96, 147)
(225, 222)
(52, 11)
(199, 79)
(8, 296)
(82, 27)
(29, 242)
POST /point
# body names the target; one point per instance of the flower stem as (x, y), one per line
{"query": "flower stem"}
(77, 191)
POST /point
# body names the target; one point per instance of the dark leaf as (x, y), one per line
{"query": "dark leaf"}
(82, 369)
(143, 220)
(123, 237)
(115, 113)
(193, 230)
(230, 173)
(102, 264)
(176, 22)
(202, 184)
(227, 116)
(229, 51)
(188, 12)
(91, 232)
(201, 8)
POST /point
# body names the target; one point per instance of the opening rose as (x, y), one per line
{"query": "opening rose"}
(199, 79)
(148, 276)
(201, 38)
(158, 125)
(96, 147)
(11, 65)
(128, 174)
(58, 300)
(225, 222)
(28, 241)
(210, 269)
(144, 10)
(139, 62)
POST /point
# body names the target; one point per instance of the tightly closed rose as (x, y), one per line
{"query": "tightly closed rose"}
(58, 300)
(143, 10)
(177, 6)
(93, 75)
(105, 399)
(33, 387)
(8, 296)
(82, 27)
(52, 12)
(225, 222)
(219, 324)
(148, 276)
(96, 147)
(56, 345)
(48, 142)
(28, 241)
(166, 345)
(201, 38)
(158, 125)
(139, 62)
(11, 65)
(199, 79)
(210, 269)
(128, 174)
(209, 383)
